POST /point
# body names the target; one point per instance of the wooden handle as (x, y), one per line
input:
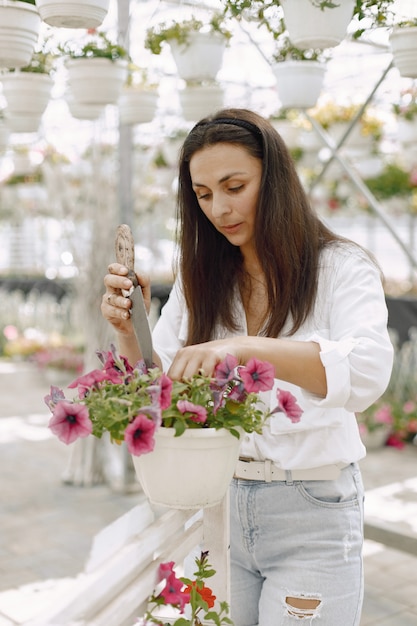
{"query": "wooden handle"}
(125, 251)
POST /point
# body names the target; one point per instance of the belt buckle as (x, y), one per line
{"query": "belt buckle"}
(246, 459)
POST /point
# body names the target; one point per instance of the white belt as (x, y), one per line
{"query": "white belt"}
(265, 470)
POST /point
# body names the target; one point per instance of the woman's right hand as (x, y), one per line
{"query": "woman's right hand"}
(115, 307)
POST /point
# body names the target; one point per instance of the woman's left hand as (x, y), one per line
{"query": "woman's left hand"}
(202, 357)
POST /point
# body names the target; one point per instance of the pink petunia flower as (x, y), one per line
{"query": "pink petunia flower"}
(139, 435)
(384, 415)
(198, 413)
(70, 421)
(224, 371)
(89, 380)
(257, 375)
(166, 391)
(172, 592)
(287, 404)
(55, 396)
(165, 569)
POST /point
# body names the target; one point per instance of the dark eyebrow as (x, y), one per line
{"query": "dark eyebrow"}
(222, 180)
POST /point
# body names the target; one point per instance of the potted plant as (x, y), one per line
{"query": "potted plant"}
(336, 119)
(181, 429)
(324, 23)
(139, 98)
(299, 74)
(73, 13)
(20, 24)
(198, 99)
(405, 111)
(97, 68)
(28, 89)
(403, 43)
(197, 47)
(191, 600)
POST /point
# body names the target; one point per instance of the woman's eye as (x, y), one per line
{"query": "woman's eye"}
(235, 189)
(203, 196)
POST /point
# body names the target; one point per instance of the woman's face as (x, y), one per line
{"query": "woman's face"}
(226, 180)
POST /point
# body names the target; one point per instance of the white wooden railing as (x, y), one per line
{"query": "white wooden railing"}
(120, 573)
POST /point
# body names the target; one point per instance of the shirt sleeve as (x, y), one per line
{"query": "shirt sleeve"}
(170, 331)
(356, 350)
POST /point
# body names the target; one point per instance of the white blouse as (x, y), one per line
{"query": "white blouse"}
(349, 322)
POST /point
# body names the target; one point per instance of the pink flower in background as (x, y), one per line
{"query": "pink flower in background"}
(384, 415)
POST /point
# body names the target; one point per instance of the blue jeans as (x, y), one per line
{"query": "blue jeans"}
(297, 540)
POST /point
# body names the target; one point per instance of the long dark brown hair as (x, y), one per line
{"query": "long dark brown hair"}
(288, 234)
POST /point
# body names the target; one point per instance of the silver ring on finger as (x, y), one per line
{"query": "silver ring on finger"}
(109, 298)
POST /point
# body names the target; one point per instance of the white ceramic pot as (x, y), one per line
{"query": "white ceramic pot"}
(311, 27)
(137, 106)
(299, 83)
(97, 80)
(407, 131)
(4, 136)
(90, 112)
(197, 101)
(376, 438)
(288, 131)
(73, 13)
(201, 58)
(188, 472)
(20, 25)
(403, 42)
(26, 93)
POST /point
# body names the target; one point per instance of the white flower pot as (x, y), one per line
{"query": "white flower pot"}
(27, 95)
(201, 59)
(20, 25)
(73, 13)
(4, 136)
(376, 438)
(288, 131)
(188, 472)
(197, 101)
(403, 42)
(137, 106)
(81, 111)
(299, 83)
(96, 80)
(310, 27)
(407, 131)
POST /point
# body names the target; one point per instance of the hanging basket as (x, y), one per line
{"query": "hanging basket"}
(197, 101)
(137, 106)
(188, 472)
(403, 42)
(97, 80)
(73, 13)
(311, 27)
(201, 58)
(27, 95)
(20, 25)
(90, 112)
(299, 83)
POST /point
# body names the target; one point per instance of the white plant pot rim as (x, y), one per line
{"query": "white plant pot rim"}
(73, 13)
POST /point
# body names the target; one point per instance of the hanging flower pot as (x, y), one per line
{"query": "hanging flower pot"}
(197, 101)
(201, 57)
(137, 106)
(96, 80)
(80, 111)
(27, 95)
(73, 13)
(188, 472)
(403, 42)
(310, 26)
(20, 25)
(299, 83)
(4, 136)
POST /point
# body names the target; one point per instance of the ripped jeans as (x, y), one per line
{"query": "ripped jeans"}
(296, 551)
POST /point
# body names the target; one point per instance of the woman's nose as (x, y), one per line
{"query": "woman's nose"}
(219, 205)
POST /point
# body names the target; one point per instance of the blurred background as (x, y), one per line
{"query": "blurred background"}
(74, 167)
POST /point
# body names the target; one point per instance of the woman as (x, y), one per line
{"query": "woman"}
(260, 275)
